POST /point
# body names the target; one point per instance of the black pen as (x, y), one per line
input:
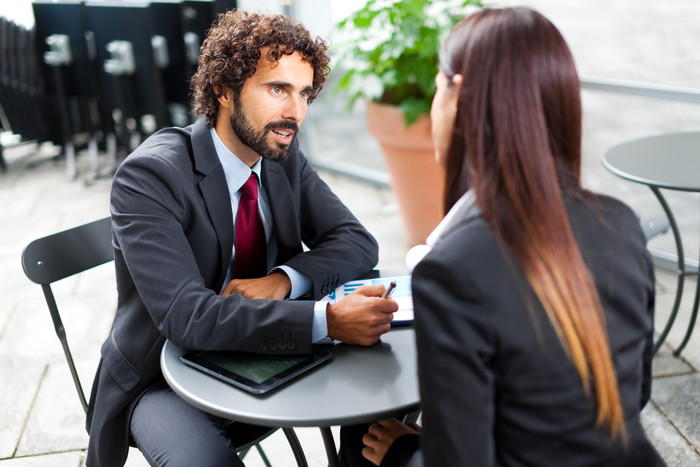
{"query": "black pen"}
(389, 290)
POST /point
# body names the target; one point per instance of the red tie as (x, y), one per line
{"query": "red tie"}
(250, 258)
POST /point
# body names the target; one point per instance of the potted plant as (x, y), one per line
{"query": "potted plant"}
(387, 54)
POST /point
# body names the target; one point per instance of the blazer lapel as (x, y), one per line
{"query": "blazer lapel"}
(214, 190)
(283, 207)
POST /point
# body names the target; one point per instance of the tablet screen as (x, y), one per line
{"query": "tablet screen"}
(256, 368)
(255, 373)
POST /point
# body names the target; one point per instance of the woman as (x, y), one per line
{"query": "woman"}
(534, 308)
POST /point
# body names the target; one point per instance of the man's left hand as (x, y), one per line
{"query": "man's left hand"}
(276, 286)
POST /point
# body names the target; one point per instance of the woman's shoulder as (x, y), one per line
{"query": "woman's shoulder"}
(593, 211)
(464, 251)
(471, 234)
(601, 204)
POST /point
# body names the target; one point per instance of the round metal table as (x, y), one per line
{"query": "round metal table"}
(360, 385)
(670, 161)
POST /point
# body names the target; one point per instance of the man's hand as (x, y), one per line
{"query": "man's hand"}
(361, 317)
(276, 286)
(381, 436)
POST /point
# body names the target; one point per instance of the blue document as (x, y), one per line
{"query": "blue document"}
(402, 295)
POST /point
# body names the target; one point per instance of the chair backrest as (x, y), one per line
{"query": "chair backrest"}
(49, 259)
(55, 257)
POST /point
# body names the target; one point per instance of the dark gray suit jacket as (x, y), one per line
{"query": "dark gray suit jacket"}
(173, 235)
(497, 388)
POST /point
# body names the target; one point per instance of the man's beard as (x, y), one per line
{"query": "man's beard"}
(258, 140)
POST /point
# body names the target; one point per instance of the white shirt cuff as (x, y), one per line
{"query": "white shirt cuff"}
(319, 330)
(300, 283)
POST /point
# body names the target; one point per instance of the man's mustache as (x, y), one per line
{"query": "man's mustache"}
(283, 125)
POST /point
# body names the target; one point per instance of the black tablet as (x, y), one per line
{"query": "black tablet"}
(255, 373)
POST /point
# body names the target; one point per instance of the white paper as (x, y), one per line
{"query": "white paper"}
(402, 294)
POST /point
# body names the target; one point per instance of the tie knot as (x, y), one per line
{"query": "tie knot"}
(249, 190)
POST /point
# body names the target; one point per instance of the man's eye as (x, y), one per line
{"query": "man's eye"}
(276, 90)
(304, 95)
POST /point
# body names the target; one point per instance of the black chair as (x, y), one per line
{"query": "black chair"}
(64, 254)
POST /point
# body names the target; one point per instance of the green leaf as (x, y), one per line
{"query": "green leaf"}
(389, 51)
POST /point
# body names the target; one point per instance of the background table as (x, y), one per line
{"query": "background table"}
(670, 161)
(360, 385)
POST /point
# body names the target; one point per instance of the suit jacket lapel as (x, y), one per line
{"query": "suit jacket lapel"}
(214, 190)
(282, 206)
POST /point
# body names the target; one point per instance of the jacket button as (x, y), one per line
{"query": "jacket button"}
(263, 346)
(291, 345)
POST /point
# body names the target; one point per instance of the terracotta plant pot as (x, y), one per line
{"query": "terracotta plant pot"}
(416, 179)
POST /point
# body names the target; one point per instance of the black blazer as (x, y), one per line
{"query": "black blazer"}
(173, 234)
(497, 388)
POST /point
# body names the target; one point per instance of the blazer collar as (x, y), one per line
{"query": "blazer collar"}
(464, 210)
(204, 153)
(214, 190)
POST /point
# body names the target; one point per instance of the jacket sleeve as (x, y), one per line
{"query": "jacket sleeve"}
(404, 452)
(456, 344)
(161, 237)
(339, 247)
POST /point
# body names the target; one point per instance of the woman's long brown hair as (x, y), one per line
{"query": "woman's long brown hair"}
(517, 143)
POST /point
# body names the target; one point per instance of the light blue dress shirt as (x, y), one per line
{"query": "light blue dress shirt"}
(237, 173)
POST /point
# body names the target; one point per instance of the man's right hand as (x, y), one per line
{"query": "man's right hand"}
(361, 317)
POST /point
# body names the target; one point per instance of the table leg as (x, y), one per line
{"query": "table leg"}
(331, 451)
(681, 268)
(693, 317)
(296, 447)
(691, 324)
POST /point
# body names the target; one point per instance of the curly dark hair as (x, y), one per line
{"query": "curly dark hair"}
(231, 50)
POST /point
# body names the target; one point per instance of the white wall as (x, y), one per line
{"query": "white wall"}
(19, 11)
(319, 16)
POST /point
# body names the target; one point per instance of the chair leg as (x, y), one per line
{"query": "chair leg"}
(261, 451)
(262, 455)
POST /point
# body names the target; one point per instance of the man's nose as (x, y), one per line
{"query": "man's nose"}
(294, 109)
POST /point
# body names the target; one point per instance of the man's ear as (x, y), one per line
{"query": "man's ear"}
(225, 96)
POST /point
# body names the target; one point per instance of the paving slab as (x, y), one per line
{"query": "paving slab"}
(18, 388)
(678, 398)
(57, 421)
(670, 444)
(664, 303)
(667, 364)
(61, 459)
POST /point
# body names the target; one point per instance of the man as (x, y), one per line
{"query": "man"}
(177, 204)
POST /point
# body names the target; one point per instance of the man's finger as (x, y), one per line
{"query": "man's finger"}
(370, 290)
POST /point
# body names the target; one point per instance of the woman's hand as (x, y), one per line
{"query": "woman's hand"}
(381, 436)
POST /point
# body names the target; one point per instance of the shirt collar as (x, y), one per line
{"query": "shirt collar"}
(465, 208)
(235, 170)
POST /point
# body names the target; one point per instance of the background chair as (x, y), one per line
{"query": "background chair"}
(64, 254)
